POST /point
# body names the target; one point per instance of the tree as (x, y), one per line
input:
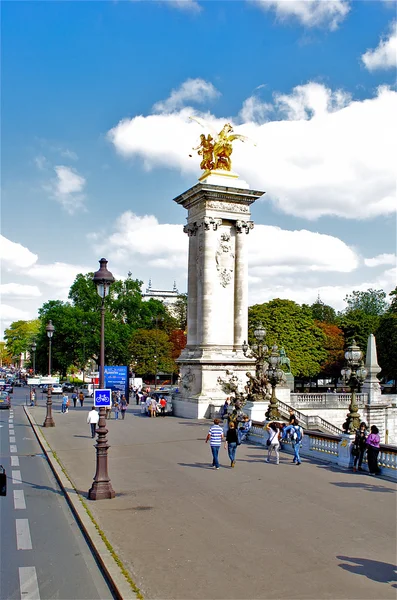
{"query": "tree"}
(292, 326)
(178, 342)
(5, 356)
(20, 335)
(393, 305)
(372, 302)
(322, 312)
(386, 342)
(179, 311)
(151, 352)
(334, 345)
(357, 325)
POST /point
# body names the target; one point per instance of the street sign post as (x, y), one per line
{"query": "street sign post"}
(103, 398)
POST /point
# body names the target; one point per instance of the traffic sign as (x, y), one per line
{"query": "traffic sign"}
(49, 380)
(34, 380)
(103, 398)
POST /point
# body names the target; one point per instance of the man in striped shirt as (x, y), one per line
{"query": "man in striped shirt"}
(215, 438)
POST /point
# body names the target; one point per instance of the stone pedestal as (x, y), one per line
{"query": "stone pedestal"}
(218, 222)
(256, 410)
(345, 458)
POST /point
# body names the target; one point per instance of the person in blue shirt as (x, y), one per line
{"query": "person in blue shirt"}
(295, 433)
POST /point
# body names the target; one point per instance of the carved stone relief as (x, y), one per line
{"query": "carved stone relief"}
(188, 379)
(244, 226)
(225, 259)
(208, 223)
(190, 229)
(227, 206)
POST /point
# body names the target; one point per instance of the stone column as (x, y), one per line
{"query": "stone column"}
(191, 230)
(241, 284)
(209, 225)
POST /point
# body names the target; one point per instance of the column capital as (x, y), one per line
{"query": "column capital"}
(208, 223)
(244, 226)
(190, 229)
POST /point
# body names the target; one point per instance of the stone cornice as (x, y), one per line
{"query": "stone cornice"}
(202, 193)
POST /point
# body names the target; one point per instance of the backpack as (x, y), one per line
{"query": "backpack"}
(295, 434)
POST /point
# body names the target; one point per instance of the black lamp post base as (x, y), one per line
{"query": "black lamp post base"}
(101, 490)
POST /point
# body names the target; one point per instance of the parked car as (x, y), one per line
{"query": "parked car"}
(88, 390)
(5, 400)
(68, 387)
(56, 388)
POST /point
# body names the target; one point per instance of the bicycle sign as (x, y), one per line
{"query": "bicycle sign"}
(103, 398)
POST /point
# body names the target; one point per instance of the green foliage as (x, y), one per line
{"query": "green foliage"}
(292, 326)
(372, 302)
(180, 311)
(322, 312)
(393, 305)
(151, 352)
(357, 325)
(20, 335)
(334, 346)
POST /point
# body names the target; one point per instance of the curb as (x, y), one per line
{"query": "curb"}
(112, 570)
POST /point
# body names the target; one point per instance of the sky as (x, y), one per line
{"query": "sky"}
(96, 137)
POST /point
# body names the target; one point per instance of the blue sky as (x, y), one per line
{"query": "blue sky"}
(71, 71)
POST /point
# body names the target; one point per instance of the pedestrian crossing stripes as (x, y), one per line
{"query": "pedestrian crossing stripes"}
(19, 500)
(13, 448)
(28, 583)
(14, 461)
(16, 477)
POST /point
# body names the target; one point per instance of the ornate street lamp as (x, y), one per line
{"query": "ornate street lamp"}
(49, 421)
(353, 375)
(258, 351)
(275, 375)
(34, 348)
(102, 487)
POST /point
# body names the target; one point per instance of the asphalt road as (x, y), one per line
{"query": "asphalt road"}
(43, 554)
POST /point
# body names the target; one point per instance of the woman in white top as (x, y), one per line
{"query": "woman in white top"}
(273, 430)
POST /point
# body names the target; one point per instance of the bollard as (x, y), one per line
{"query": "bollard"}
(3, 481)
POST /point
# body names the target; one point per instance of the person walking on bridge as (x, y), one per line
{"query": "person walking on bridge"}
(215, 437)
(92, 420)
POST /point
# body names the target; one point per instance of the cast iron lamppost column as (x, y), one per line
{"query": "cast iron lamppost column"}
(353, 375)
(275, 375)
(102, 488)
(49, 421)
(34, 347)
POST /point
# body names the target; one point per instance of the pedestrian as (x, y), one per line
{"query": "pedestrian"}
(153, 407)
(273, 442)
(74, 398)
(116, 408)
(64, 406)
(143, 404)
(359, 447)
(225, 408)
(232, 441)
(292, 415)
(108, 414)
(81, 398)
(92, 419)
(373, 448)
(244, 429)
(215, 437)
(123, 406)
(163, 405)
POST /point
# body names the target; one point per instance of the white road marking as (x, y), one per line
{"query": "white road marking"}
(28, 583)
(10, 425)
(24, 541)
(12, 439)
(14, 461)
(19, 500)
(16, 477)
(13, 448)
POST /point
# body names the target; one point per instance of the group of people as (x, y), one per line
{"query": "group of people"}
(366, 443)
(151, 406)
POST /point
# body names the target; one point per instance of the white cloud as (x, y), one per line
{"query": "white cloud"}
(8, 314)
(381, 259)
(69, 154)
(311, 13)
(254, 110)
(68, 188)
(325, 155)
(19, 290)
(185, 5)
(191, 90)
(385, 54)
(14, 255)
(57, 274)
(41, 162)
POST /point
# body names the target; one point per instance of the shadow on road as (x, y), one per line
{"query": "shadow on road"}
(196, 465)
(365, 486)
(372, 569)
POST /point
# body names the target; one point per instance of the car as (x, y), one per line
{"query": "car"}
(88, 390)
(55, 389)
(68, 387)
(8, 388)
(5, 400)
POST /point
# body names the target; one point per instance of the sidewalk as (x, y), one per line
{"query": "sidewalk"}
(258, 531)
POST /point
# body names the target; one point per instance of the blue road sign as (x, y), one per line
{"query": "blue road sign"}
(116, 378)
(102, 398)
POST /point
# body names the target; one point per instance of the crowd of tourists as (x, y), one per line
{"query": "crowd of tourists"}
(236, 427)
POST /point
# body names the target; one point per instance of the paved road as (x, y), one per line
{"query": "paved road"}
(258, 531)
(43, 552)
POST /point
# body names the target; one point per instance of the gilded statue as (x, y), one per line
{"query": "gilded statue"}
(217, 149)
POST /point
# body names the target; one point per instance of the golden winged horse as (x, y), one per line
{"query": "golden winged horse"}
(221, 148)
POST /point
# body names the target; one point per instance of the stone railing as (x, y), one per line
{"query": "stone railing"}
(330, 448)
(326, 400)
(308, 421)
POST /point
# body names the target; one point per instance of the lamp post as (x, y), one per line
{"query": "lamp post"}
(34, 348)
(275, 376)
(259, 351)
(49, 421)
(102, 488)
(353, 375)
